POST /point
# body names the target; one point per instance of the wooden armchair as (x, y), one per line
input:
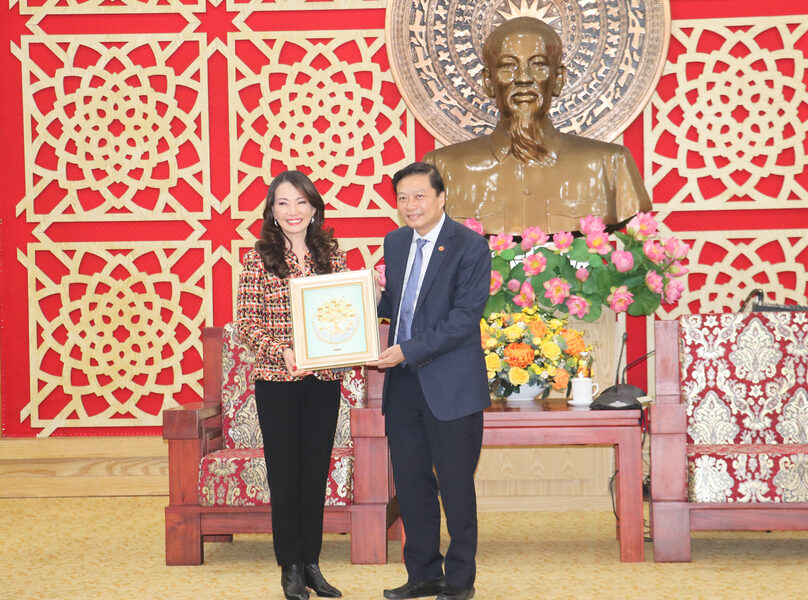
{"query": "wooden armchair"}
(729, 428)
(217, 472)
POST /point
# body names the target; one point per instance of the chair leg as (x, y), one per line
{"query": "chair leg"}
(369, 534)
(671, 531)
(183, 537)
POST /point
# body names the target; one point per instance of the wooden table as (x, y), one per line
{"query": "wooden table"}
(552, 422)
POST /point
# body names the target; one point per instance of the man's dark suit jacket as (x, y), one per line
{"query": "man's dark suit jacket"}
(445, 347)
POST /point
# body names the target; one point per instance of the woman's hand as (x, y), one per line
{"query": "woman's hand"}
(291, 367)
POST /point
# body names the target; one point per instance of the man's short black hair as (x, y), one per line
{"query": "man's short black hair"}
(421, 168)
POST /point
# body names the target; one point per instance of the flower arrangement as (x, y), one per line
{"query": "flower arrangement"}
(528, 347)
(580, 275)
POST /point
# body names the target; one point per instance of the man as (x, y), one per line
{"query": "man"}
(435, 387)
(527, 173)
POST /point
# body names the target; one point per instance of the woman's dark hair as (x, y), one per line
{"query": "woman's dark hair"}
(319, 240)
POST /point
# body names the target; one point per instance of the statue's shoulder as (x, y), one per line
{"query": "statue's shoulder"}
(468, 153)
(580, 144)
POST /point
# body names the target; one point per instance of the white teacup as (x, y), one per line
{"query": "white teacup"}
(583, 390)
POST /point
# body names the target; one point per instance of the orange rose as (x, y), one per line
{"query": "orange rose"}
(575, 342)
(519, 355)
(538, 329)
(561, 379)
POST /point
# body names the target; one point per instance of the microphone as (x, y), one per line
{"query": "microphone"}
(620, 396)
(635, 362)
(619, 358)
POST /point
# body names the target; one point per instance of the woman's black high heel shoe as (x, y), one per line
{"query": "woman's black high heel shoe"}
(315, 580)
(292, 582)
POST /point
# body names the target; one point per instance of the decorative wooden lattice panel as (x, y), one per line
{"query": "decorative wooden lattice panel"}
(139, 138)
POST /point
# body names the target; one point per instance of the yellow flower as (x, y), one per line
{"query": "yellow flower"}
(492, 362)
(491, 343)
(491, 375)
(550, 350)
(518, 376)
(533, 368)
(513, 332)
(551, 370)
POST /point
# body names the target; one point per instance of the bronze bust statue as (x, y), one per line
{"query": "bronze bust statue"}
(526, 173)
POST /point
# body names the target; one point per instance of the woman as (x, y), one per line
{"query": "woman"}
(297, 410)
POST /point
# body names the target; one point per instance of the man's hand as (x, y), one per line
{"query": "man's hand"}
(378, 284)
(389, 358)
(291, 367)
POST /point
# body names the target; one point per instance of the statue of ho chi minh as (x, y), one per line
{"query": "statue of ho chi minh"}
(526, 173)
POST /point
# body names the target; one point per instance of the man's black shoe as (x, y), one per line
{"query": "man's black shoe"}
(432, 587)
(453, 593)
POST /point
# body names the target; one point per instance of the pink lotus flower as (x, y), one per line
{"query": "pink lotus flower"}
(654, 251)
(533, 236)
(623, 260)
(514, 285)
(654, 281)
(526, 296)
(474, 225)
(380, 269)
(675, 249)
(642, 227)
(558, 290)
(534, 264)
(582, 274)
(598, 242)
(578, 307)
(620, 299)
(673, 291)
(496, 282)
(592, 224)
(501, 242)
(562, 241)
(677, 269)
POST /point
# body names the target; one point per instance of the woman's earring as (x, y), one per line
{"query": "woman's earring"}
(276, 222)
(312, 220)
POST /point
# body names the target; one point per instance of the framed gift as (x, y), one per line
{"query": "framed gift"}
(334, 322)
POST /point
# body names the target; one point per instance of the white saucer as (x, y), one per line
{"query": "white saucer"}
(574, 402)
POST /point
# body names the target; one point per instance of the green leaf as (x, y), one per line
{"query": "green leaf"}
(501, 266)
(590, 286)
(579, 251)
(596, 261)
(595, 310)
(631, 279)
(645, 302)
(508, 254)
(627, 240)
(494, 304)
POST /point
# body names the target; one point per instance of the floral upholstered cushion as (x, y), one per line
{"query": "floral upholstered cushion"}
(745, 388)
(744, 378)
(772, 474)
(240, 427)
(238, 477)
